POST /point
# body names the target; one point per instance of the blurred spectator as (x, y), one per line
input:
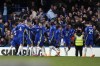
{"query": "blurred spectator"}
(33, 15)
(98, 41)
(7, 36)
(96, 34)
(5, 12)
(2, 42)
(50, 13)
(23, 13)
(2, 28)
(40, 14)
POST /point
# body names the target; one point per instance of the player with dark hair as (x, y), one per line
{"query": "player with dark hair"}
(29, 40)
(42, 30)
(57, 39)
(14, 39)
(89, 39)
(52, 33)
(67, 38)
(21, 27)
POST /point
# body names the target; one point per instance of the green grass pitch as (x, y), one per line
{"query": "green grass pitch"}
(50, 61)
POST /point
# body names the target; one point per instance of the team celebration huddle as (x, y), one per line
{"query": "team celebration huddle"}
(36, 34)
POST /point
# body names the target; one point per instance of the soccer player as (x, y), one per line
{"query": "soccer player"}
(35, 29)
(39, 39)
(52, 33)
(29, 40)
(89, 39)
(42, 38)
(66, 33)
(57, 39)
(21, 27)
(14, 39)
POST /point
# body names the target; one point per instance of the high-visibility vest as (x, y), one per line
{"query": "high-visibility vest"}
(79, 40)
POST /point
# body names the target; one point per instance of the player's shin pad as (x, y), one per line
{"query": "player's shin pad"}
(65, 52)
(43, 51)
(19, 50)
(27, 50)
(85, 51)
(38, 51)
(22, 50)
(31, 51)
(50, 49)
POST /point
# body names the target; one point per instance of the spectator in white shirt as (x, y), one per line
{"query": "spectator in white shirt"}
(33, 15)
(5, 11)
(50, 14)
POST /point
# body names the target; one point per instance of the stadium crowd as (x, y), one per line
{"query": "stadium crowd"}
(74, 13)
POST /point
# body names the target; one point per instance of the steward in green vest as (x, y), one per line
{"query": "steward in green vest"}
(78, 42)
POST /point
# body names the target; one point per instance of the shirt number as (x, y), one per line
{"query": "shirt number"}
(20, 29)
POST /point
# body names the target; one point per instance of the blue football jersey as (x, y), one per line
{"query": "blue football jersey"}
(58, 35)
(66, 33)
(89, 32)
(21, 29)
(15, 33)
(52, 32)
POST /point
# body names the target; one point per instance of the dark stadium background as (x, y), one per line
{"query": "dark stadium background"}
(47, 3)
